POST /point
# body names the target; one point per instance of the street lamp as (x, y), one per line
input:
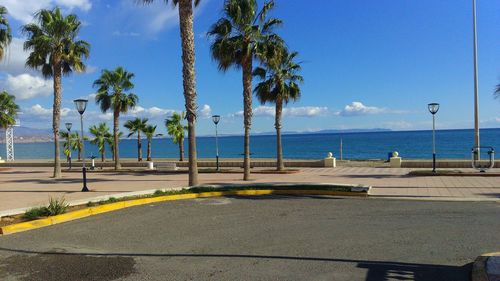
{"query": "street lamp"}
(476, 90)
(81, 105)
(433, 109)
(216, 119)
(68, 127)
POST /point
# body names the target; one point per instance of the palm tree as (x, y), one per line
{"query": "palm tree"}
(111, 95)
(137, 126)
(101, 134)
(280, 84)
(188, 77)
(5, 31)
(56, 51)
(77, 144)
(67, 146)
(497, 91)
(176, 130)
(150, 131)
(8, 110)
(239, 37)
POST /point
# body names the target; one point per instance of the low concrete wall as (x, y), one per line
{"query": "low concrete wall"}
(235, 163)
(442, 163)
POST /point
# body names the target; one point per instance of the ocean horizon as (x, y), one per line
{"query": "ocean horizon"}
(450, 144)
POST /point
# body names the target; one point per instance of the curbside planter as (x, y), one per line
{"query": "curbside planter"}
(362, 191)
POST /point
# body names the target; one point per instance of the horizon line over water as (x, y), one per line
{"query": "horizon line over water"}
(452, 144)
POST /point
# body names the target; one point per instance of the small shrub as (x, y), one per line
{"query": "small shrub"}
(57, 206)
(36, 212)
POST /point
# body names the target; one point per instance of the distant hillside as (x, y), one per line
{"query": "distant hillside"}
(330, 131)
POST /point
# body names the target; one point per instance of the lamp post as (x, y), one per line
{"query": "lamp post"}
(216, 119)
(81, 105)
(433, 109)
(476, 90)
(68, 127)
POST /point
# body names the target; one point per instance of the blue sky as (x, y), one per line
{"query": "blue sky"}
(366, 64)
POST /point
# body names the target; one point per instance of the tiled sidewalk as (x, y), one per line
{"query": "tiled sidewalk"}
(25, 187)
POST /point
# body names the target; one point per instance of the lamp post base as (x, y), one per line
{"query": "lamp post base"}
(434, 162)
(85, 188)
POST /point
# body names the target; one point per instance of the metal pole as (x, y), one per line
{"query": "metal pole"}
(217, 147)
(476, 95)
(69, 147)
(84, 169)
(433, 143)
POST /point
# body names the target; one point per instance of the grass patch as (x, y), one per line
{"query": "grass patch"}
(430, 173)
(55, 207)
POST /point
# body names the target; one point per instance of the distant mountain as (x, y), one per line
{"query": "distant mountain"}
(330, 131)
(31, 132)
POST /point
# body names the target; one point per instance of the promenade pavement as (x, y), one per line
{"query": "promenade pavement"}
(26, 187)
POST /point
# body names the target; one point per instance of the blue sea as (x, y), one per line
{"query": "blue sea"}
(373, 145)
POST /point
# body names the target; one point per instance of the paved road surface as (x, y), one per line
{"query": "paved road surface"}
(261, 238)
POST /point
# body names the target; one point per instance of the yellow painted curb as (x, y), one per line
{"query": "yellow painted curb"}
(91, 211)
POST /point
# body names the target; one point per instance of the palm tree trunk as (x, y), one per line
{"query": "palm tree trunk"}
(139, 146)
(181, 150)
(189, 81)
(149, 150)
(279, 148)
(102, 153)
(56, 118)
(247, 113)
(116, 124)
(79, 152)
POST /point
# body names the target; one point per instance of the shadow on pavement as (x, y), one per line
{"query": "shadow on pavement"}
(376, 270)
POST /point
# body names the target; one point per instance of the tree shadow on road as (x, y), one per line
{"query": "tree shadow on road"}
(376, 270)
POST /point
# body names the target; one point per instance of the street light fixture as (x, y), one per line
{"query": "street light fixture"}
(81, 105)
(68, 127)
(433, 109)
(216, 119)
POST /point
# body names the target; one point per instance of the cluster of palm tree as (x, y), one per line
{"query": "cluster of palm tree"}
(138, 125)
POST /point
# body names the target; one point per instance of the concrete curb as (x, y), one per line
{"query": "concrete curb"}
(479, 268)
(24, 226)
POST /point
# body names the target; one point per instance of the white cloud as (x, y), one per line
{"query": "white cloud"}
(305, 111)
(23, 10)
(38, 111)
(357, 108)
(26, 86)
(152, 112)
(15, 59)
(205, 111)
(302, 111)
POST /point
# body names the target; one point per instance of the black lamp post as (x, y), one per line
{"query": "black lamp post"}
(68, 127)
(433, 109)
(81, 105)
(216, 119)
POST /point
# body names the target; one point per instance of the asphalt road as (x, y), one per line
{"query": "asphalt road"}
(261, 238)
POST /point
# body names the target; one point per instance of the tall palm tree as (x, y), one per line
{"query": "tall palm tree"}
(240, 36)
(150, 132)
(8, 110)
(101, 134)
(137, 126)
(188, 77)
(5, 31)
(280, 85)
(55, 50)
(176, 130)
(111, 95)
